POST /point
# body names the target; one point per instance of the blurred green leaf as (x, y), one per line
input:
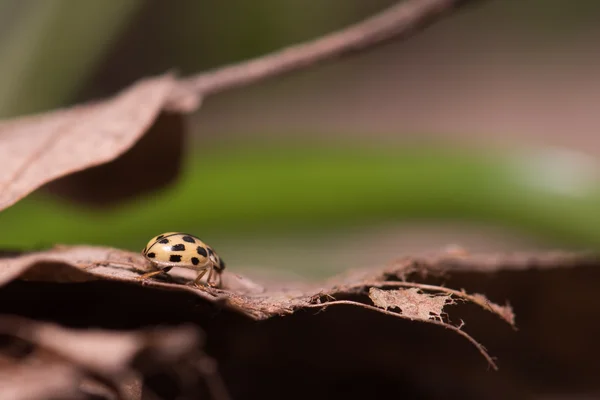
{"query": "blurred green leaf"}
(271, 189)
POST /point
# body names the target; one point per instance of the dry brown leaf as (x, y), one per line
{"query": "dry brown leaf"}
(81, 263)
(90, 263)
(65, 284)
(505, 312)
(424, 307)
(118, 180)
(37, 149)
(412, 302)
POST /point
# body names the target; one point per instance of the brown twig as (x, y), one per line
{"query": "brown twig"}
(397, 21)
(456, 329)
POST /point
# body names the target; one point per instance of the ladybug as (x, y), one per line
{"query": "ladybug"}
(176, 249)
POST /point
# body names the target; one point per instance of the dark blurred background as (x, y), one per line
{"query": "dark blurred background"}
(480, 131)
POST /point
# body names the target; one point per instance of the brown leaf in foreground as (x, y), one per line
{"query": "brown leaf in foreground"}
(266, 338)
(64, 362)
(37, 149)
(81, 263)
(39, 382)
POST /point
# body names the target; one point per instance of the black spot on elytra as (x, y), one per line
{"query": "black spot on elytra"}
(188, 239)
(202, 251)
(151, 255)
(221, 264)
(175, 258)
(210, 251)
(164, 241)
(195, 261)
(178, 247)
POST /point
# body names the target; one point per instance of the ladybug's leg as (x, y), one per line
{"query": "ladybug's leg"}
(220, 275)
(200, 275)
(210, 276)
(150, 274)
(153, 273)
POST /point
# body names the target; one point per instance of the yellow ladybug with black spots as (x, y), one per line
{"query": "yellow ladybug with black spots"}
(176, 249)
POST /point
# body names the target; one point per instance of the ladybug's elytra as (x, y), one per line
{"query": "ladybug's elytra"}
(176, 249)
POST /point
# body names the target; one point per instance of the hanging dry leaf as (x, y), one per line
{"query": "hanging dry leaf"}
(37, 149)
(119, 180)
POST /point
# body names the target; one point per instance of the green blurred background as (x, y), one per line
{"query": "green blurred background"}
(480, 131)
